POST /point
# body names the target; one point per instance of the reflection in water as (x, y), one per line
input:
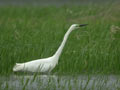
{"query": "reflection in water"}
(51, 82)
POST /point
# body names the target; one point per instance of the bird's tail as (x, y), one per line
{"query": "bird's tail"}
(18, 67)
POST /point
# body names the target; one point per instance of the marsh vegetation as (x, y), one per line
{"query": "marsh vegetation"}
(33, 32)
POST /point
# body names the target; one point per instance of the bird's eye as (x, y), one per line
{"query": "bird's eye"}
(77, 26)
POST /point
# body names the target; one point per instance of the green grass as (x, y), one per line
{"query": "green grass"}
(29, 33)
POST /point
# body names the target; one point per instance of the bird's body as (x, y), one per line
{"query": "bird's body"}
(40, 65)
(46, 64)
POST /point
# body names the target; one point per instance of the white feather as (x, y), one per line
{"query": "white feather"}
(46, 64)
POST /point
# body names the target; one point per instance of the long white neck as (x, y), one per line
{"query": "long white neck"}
(59, 51)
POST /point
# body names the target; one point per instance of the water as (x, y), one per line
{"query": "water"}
(58, 82)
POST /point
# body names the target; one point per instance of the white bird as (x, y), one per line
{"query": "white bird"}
(46, 64)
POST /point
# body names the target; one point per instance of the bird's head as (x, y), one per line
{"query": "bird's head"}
(76, 26)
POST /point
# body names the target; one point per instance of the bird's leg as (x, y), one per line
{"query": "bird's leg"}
(48, 73)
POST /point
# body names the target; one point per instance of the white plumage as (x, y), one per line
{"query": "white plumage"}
(45, 64)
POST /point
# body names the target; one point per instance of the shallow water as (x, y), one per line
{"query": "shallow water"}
(56, 82)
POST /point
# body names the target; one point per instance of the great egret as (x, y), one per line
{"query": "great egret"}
(46, 64)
